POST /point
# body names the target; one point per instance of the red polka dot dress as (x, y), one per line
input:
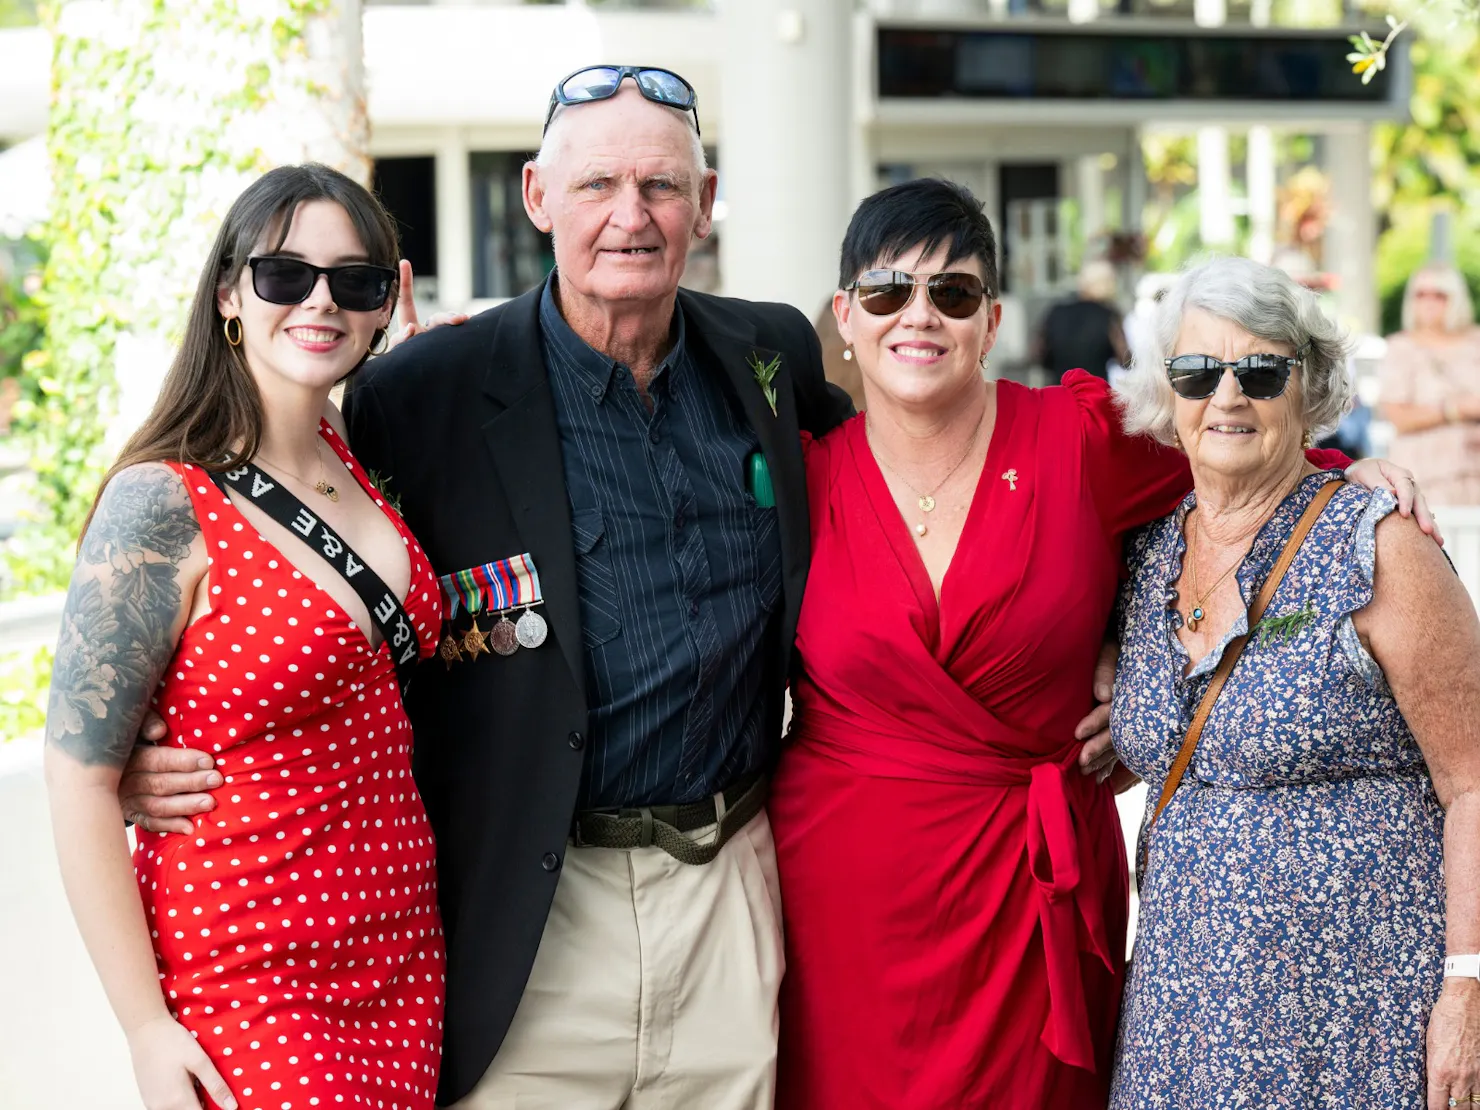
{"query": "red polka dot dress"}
(297, 931)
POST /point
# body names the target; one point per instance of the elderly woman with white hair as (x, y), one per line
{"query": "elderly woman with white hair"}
(1431, 386)
(1299, 685)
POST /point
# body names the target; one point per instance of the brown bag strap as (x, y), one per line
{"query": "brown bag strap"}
(1236, 648)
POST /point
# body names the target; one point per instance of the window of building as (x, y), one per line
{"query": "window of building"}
(510, 255)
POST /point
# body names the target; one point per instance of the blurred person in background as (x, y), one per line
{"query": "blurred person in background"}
(1431, 386)
(1085, 333)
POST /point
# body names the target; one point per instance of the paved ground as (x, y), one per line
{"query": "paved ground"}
(59, 1046)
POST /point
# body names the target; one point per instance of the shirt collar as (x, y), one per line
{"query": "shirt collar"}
(594, 367)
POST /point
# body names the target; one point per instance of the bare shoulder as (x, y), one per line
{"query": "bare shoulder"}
(1415, 591)
(136, 570)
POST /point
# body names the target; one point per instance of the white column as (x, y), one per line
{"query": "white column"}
(1215, 200)
(785, 153)
(1090, 186)
(1259, 172)
(1135, 186)
(1351, 236)
(454, 222)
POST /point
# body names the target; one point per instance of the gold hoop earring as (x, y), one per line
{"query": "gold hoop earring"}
(382, 339)
(984, 363)
(848, 353)
(226, 327)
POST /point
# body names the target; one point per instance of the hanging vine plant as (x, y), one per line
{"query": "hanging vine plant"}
(162, 111)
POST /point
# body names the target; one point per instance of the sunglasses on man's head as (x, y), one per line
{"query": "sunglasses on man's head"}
(358, 287)
(885, 292)
(1261, 377)
(661, 86)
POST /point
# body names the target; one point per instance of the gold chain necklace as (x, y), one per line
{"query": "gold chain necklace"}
(926, 501)
(321, 486)
(1199, 598)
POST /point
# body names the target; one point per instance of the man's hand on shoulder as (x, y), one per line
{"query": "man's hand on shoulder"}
(163, 787)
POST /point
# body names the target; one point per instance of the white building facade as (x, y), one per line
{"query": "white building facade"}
(808, 105)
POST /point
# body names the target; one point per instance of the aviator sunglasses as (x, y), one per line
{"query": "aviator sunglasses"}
(358, 287)
(885, 292)
(1261, 377)
(661, 86)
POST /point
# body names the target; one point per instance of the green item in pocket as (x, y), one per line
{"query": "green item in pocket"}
(759, 475)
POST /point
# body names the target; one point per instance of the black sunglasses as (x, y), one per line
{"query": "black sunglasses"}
(885, 292)
(661, 86)
(1261, 377)
(358, 287)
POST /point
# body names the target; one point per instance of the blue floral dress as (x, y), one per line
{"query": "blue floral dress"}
(1291, 934)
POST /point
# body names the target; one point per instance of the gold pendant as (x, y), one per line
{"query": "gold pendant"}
(327, 490)
(927, 504)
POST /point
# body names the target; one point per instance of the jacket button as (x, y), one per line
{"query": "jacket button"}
(551, 862)
(576, 741)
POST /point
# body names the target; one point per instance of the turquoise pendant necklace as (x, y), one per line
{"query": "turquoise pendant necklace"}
(1200, 597)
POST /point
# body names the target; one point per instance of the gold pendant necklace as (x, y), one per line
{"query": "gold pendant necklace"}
(1199, 598)
(926, 501)
(321, 486)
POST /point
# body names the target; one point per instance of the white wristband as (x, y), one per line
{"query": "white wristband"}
(1462, 967)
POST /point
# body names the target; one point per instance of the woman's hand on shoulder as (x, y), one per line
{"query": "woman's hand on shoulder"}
(1454, 1044)
(167, 1065)
(130, 596)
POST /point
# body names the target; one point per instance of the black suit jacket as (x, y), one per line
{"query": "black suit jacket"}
(459, 424)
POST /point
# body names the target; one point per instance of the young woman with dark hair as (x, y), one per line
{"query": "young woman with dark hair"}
(288, 952)
(955, 888)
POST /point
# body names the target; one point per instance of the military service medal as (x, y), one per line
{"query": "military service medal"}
(496, 588)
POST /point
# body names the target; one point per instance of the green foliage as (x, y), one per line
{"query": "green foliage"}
(1431, 164)
(24, 677)
(22, 321)
(132, 145)
(18, 13)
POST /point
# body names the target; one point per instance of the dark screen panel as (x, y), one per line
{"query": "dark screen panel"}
(1044, 65)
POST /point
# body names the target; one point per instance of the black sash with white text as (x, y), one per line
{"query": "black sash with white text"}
(385, 608)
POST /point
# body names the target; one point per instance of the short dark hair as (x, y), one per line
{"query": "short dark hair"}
(925, 213)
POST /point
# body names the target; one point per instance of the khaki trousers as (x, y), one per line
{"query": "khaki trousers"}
(654, 987)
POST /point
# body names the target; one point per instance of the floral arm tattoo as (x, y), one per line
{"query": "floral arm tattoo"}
(119, 623)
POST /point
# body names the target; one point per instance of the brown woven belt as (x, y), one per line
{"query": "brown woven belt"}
(664, 826)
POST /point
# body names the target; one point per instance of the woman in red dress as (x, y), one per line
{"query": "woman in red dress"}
(955, 888)
(288, 953)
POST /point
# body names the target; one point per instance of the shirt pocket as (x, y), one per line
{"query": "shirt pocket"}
(596, 578)
(766, 546)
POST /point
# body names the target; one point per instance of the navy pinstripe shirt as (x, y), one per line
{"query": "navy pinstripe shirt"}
(678, 570)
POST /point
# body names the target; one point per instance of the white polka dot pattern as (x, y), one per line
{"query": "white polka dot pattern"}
(296, 931)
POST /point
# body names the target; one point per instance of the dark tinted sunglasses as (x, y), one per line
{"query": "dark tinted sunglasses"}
(358, 287)
(885, 292)
(661, 86)
(1261, 377)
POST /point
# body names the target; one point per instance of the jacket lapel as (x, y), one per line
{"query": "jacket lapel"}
(523, 440)
(732, 342)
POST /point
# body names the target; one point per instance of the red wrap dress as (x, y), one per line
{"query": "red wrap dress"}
(955, 889)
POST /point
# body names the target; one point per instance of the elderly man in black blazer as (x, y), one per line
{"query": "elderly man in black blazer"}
(608, 883)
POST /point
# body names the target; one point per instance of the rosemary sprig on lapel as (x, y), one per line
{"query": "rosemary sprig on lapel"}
(381, 484)
(765, 374)
(1287, 626)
